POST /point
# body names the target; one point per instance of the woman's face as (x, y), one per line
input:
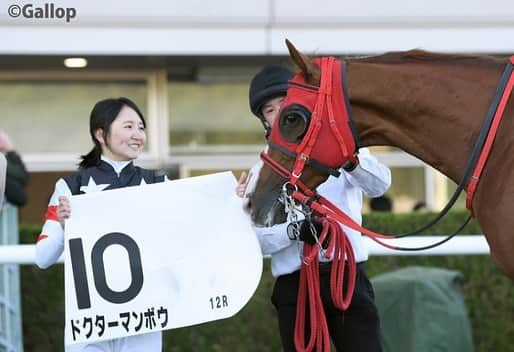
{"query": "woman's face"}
(126, 138)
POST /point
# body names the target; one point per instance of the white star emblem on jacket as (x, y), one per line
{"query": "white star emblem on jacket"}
(93, 187)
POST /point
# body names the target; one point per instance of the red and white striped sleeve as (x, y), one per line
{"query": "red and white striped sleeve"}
(50, 243)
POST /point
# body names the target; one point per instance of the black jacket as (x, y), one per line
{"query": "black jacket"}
(104, 174)
(16, 180)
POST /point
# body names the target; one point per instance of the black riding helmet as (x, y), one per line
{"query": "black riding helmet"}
(267, 84)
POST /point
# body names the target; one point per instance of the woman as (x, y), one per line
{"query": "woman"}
(117, 128)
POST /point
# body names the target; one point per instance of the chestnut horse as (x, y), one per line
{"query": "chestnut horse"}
(431, 106)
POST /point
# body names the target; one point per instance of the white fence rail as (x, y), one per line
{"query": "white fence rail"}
(459, 245)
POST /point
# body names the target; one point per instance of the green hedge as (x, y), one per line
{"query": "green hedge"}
(489, 297)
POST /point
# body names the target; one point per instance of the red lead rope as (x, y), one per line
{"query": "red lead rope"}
(340, 249)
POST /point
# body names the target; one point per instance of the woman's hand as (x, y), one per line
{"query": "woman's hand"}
(63, 209)
(242, 183)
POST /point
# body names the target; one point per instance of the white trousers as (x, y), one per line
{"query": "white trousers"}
(151, 342)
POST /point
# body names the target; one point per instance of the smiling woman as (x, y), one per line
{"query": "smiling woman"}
(125, 138)
(117, 129)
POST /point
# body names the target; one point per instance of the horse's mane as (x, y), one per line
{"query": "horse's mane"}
(422, 56)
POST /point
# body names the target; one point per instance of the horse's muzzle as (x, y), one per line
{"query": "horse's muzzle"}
(266, 211)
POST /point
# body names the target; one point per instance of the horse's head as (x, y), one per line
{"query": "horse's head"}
(302, 139)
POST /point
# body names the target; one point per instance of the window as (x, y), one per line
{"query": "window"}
(211, 114)
(53, 116)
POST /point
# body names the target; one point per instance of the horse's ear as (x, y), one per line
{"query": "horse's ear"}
(309, 69)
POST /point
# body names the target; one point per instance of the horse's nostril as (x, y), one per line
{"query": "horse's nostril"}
(248, 206)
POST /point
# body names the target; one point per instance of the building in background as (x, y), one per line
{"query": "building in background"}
(188, 64)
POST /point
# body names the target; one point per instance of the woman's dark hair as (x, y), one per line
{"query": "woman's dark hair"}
(102, 116)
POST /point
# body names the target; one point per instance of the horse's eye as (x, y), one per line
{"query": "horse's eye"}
(291, 119)
(293, 123)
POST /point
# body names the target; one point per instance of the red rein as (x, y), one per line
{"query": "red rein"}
(340, 248)
(330, 120)
(472, 186)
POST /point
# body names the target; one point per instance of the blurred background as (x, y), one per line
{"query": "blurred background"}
(188, 64)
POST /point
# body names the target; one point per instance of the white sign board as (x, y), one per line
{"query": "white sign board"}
(157, 257)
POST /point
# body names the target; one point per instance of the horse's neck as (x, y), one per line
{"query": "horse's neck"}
(433, 112)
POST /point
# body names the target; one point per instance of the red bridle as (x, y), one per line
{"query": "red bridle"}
(330, 119)
(329, 142)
